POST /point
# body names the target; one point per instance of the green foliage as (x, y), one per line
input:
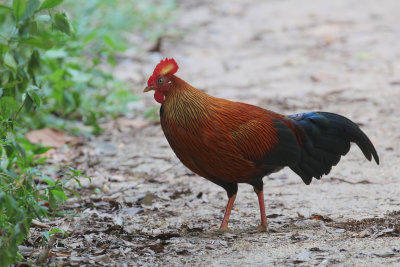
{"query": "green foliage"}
(51, 76)
(25, 197)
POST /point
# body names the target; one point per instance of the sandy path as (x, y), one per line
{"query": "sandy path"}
(338, 56)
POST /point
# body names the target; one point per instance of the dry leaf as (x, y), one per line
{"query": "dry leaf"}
(40, 224)
(50, 137)
(321, 218)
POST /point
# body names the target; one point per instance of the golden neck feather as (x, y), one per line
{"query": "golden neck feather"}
(186, 105)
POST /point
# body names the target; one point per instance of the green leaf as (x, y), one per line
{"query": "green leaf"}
(6, 7)
(43, 18)
(47, 236)
(9, 150)
(75, 171)
(3, 48)
(33, 28)
(110, 42)
(19, 8)
(28, 103)
(73, 192)
(90, 36)
(52, 200)
(10, 84)
(57, 231)
(38, 42)
(9, 103)
(56, 53)
(21, 150)
(35, 98)
(31, 7)
(10, 62)
(59, 193)
(40, 161)
(42, 149)
(50, 181)
(62, 23)
(111, 60)
(34, 62)
(50, 4)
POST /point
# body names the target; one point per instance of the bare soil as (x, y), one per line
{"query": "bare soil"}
(287, 56)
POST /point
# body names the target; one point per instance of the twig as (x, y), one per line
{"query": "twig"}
(19, 110)
(345, 181)
(16, 114)
(40, 224)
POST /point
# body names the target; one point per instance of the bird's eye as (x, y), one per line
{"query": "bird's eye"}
(160, 80)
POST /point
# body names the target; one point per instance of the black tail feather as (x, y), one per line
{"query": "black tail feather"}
(325, 138)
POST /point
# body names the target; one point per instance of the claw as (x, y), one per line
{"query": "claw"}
(224, 229)
(262, 228)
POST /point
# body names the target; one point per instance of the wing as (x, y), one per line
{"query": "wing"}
(264, 137)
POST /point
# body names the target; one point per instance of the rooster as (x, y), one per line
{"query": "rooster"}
(231, 142)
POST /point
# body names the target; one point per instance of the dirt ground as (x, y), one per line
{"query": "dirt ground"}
(145, 208)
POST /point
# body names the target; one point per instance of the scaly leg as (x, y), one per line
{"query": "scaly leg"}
(263, 226)
(225, 220)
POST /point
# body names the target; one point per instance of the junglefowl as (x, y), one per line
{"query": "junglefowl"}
(231, 142)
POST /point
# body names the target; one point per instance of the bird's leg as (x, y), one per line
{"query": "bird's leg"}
(229, 206)
(260, 194)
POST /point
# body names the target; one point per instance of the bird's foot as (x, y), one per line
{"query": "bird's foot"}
(262, 228)
(223, 228)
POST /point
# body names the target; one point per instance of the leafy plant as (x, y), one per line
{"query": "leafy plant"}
(52, 74)
(25, 192)
(25, 197)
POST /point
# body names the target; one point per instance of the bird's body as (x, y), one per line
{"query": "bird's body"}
(215, 137)
(231, 142)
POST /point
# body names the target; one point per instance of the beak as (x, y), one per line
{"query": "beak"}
(148, 88)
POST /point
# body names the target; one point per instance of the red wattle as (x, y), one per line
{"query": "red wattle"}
(159, 97)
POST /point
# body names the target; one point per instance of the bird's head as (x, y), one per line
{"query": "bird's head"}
(160, 80)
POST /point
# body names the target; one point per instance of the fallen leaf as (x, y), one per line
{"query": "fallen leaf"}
(320, 217)
(50, 137)
(316, 249)
(385, 255)
(25, 251)
(274, 215)
(63, 254)
(166, 236)
(102, 258)
(179, 194)
(148, 199)
(40, 224)
(131, 211)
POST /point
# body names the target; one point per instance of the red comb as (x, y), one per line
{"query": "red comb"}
(165, 66)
